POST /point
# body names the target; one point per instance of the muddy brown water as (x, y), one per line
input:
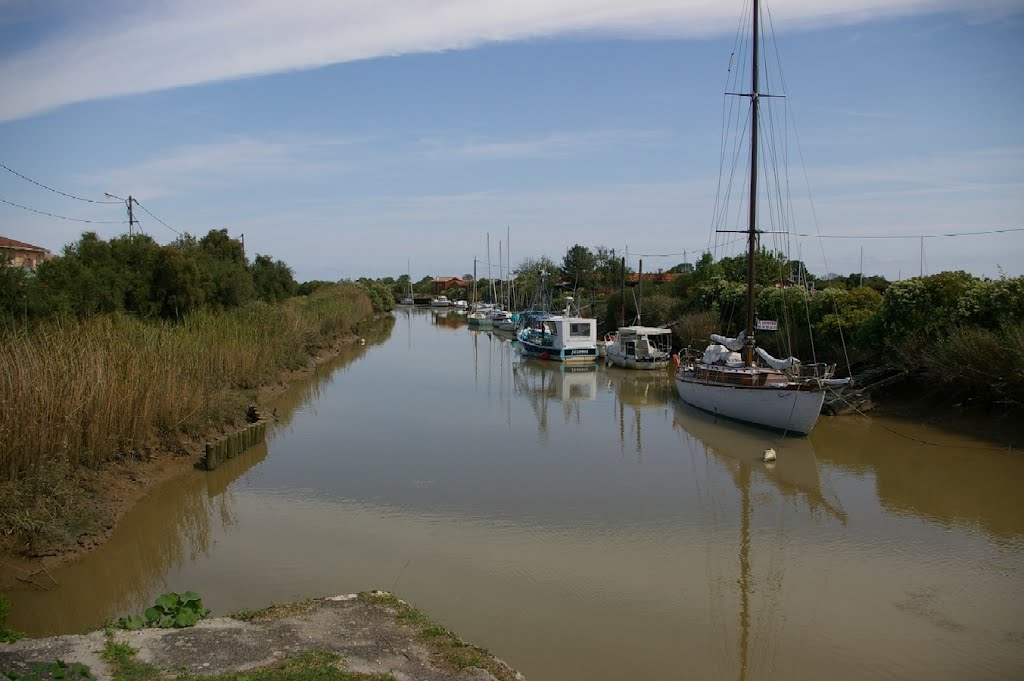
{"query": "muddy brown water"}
(587, 525)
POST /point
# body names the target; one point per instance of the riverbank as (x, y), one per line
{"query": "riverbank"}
(93, 497)
(365, 636)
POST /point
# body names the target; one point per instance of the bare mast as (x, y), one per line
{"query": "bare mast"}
(748, 350)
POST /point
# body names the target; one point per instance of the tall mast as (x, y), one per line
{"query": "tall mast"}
(748, 353)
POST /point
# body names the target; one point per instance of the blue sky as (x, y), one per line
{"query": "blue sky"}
(347, 138)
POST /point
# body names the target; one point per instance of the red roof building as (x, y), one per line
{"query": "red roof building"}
(21, 254)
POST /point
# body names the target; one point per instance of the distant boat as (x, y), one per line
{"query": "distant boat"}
(735, 378)
(408, 300)
(567, 337)
(440, 301)
(460, 305)
(639, 347)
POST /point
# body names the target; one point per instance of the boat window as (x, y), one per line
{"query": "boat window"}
(550, 328)
(579, 329)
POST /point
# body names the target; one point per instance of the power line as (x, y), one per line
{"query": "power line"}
(55, 191)
(845, 236)
(156, 218)
(911, 236)
(64, 217)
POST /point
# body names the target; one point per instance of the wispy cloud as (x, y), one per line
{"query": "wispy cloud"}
(132, 48)
(550, 145)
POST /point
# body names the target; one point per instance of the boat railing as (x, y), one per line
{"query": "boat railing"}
(815, 371)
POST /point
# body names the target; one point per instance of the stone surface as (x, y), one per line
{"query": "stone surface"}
(364, 631)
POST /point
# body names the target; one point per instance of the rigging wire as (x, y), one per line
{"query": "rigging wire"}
(64, 217)
(55, 191)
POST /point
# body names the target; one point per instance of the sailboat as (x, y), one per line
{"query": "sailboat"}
(408, 299)
(735, 378)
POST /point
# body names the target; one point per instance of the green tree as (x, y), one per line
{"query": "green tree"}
(579, 267)
(272, 280)
(177, 283)
(13, 289)
(226, 277)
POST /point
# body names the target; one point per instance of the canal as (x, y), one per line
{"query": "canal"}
(587, 525)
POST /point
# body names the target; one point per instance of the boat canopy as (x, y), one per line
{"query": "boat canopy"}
(644, 331)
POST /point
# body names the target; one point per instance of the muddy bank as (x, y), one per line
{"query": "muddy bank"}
(371, 633)
(105, 494)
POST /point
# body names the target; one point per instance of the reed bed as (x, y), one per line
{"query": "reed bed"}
(82, 393)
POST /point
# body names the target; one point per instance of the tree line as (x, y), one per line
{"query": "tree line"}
(962, 335)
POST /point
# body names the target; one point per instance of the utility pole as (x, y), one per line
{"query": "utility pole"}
(131, 215)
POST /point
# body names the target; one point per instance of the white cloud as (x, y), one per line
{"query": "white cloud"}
(156, 46)
(551, 145)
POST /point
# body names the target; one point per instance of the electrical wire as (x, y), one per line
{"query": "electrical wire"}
(156, 218)
(64, 217)
(55, 191)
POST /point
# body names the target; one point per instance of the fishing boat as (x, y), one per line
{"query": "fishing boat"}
(440, 301)
(567, 337)
(733, 377)
(639, 347)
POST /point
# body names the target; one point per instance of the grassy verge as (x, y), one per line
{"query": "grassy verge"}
(76, 396)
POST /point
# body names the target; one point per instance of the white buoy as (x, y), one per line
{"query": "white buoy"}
(362, 341)
(768, 456)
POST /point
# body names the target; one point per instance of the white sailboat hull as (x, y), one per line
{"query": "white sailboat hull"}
(795, 411)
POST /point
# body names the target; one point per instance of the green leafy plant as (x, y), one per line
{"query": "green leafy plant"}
(171, 610)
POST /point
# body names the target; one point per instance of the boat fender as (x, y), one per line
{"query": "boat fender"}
(675, 360)
(545, 355)
(769, 455)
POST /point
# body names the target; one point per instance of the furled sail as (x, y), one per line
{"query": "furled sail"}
(734, 344)
(720, 354)
(777, 364)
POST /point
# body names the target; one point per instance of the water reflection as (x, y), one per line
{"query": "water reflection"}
(449, 319)
(791, 479)
(794, 474)
(584, 524)
(169, 530)
(635, 392)
(544, 383)
(953, 485)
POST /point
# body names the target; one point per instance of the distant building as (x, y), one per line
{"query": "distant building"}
(21, 254)
(651, 278)
(442, 284)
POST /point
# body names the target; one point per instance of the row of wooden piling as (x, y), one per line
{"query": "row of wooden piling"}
(228, 447)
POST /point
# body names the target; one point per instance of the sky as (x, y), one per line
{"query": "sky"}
(355, 138)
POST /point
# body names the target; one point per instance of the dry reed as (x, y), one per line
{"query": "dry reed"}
(82, 393)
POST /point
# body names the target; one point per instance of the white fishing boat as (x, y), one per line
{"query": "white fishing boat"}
(567, 337)
(733, 377)
(460, 305)
(639, 347)
(440, 301)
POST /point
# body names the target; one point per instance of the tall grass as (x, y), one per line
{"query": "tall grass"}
(81, 393)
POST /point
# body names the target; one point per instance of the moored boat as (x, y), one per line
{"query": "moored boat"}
(733, 377)
(639, 347)
(567, 337)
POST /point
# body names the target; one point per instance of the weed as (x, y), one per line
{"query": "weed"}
(123, 664)
(171, 610)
